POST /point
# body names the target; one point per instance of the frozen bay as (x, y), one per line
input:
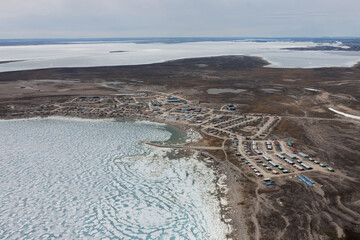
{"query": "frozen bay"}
(81, 179)
(86, 54)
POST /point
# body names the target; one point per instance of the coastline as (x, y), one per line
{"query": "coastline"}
(229, 193)
(224, 182)
(327, 137)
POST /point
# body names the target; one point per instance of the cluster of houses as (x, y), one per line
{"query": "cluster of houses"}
(299, 161)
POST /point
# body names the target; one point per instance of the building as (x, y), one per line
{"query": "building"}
(173, 100)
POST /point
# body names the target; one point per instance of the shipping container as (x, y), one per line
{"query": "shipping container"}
(306, 166)
(299, 167)
(274, 164)
(289, 161)
(304, 155)
(290, 155)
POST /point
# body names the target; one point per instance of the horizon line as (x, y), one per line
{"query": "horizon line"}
(54, 38)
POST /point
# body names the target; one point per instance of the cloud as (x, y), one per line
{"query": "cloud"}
(171, 18)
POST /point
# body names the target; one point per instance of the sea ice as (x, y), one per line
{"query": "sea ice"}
(81, 179)
(99, 54)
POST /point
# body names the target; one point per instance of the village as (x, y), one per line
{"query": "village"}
(252, 144)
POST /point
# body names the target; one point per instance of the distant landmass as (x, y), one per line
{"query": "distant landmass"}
(346, 47)
(144, 40)
(117, 51)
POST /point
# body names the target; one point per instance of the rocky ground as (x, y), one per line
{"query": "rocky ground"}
(287, 210)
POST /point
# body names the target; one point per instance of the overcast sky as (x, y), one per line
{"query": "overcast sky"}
(179, 18)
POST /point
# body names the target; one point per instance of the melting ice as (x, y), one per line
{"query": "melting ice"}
(82, 179)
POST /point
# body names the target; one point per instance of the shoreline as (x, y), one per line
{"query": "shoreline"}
(162, 173)
(189, 149)
(161, 94)
(199, 49)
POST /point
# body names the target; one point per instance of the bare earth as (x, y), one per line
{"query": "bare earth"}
(298, 98)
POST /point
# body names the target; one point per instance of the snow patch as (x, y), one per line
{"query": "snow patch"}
(312, 89)
(345, 114)
(192, 136)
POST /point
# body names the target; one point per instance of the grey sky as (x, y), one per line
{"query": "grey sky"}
(179, 18)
